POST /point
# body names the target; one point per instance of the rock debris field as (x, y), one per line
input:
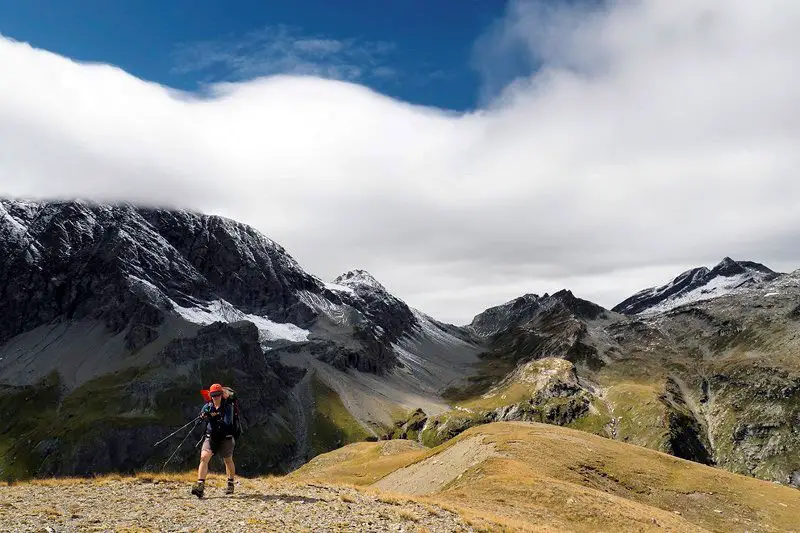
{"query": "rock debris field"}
(257, 505)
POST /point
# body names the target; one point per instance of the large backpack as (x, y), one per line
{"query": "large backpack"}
(237, 416)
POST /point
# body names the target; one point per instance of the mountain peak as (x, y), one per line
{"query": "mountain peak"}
(498, 318)
(695, 285)
(359, 278)
(728, 267)
(582, 308)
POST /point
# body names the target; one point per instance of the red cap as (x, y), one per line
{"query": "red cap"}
(216, 387)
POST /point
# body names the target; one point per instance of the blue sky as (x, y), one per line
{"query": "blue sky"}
(421, 51)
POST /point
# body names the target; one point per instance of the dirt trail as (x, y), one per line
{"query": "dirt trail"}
(257, 505)
(432, 474)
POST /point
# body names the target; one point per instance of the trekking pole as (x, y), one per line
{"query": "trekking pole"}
(177, 430)
(181, 444)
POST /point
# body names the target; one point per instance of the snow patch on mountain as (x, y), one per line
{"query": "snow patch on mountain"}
(222, 311)
(340, 288)
(12, 226)
(716, 287)
(696, 285)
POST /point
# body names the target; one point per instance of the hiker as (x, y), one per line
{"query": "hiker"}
(220, 413)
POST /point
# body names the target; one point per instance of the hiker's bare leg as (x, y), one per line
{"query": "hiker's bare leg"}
(202, 470)
(230, 468)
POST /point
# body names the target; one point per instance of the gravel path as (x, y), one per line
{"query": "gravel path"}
(258, 505)
(432, 474)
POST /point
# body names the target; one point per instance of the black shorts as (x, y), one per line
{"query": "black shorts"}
(223, 447)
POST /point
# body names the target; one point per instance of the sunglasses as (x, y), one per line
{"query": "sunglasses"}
(215, 394)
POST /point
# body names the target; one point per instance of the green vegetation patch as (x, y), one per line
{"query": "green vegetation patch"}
(597, 421)
(107, 399)
(333, 425)
(28, 412)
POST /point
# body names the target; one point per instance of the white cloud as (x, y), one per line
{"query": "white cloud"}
(658, 135)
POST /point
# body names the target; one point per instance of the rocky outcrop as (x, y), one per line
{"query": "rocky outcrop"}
(497, 319)
(500, 319)
(754, 411)
(687, 433)
(389, 317)
(556, 328)
(410, 428)
(546, 391)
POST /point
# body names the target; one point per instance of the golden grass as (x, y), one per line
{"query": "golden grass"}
(408, 516)
(551, 478)
(362, 463)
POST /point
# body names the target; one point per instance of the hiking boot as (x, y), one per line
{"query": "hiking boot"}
(198, 489)
(229, 490)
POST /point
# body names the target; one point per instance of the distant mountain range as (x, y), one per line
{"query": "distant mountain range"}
(114, 316)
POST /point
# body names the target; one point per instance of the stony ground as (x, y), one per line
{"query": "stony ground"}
(257, 505)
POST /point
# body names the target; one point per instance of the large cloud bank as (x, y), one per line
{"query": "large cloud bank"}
(655, 135)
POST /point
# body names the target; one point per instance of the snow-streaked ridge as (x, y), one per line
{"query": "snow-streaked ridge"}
(696, 285)
(222, 311)
(718, 286)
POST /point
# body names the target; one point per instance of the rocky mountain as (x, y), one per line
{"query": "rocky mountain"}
(499, 318)
(697, 284)
(715, 380)
(91, 295)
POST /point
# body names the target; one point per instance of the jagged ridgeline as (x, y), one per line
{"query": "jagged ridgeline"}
(114, 317)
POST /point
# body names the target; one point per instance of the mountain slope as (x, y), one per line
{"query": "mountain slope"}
(534, 477)
(92, 294)
(694, 285)
(715, 381)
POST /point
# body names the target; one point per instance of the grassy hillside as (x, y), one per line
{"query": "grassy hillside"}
(545, 477)
(333, 425)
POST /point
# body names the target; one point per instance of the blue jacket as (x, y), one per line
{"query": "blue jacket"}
(219, 422)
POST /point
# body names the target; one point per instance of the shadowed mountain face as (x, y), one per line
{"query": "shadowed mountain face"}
(126, 267)
(137, 270)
